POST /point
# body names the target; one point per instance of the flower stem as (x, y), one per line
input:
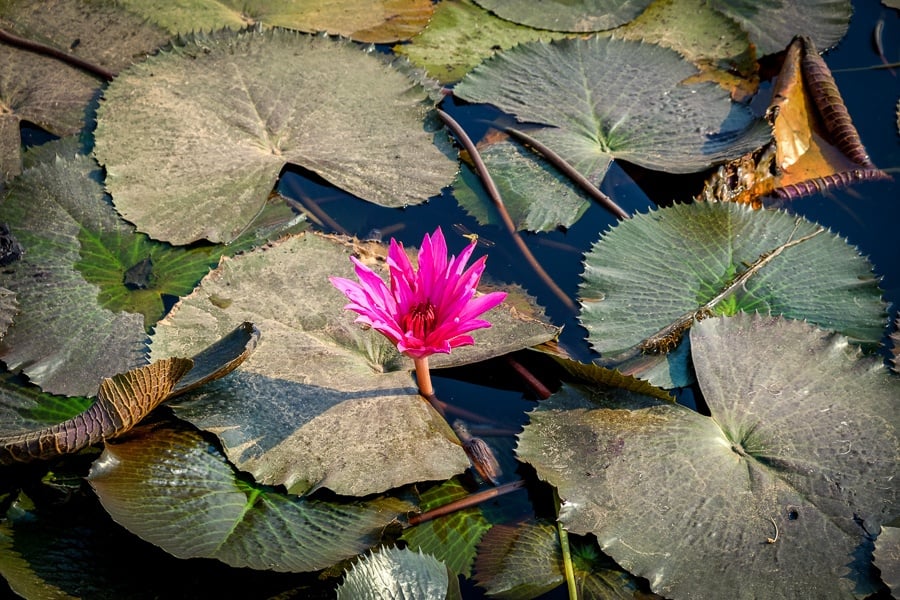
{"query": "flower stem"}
(567, 561)
(423, 376)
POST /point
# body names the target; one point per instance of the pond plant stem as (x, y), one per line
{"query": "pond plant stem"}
(45, 50)
(567, 561)
(569, 171)
(467, 502)
(539, 388)
(494, 193)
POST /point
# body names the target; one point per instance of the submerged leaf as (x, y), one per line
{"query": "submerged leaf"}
(773, 495)
(689, 261)
(565, 15)
(612, 99)
(194, 139)
(207, 510)
(300, 411)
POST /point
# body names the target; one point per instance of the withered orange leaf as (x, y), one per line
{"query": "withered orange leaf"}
(815, 146)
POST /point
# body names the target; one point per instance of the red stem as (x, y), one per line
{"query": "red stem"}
(467, 502)
(43, 49)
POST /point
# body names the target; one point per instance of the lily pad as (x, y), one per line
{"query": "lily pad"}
(887, 557)
(453, 538)
(393, 573)
(194, 138)
(207, 510)
(649, 277)
(460, 35)
(300, 411)
(375, 21)
(614, 99)
(101, 285)
(537, 196)
(48, 92)
(773, 495)
(772, 25)
(580, 16)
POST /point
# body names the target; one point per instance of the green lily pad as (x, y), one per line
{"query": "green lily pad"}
(654, 273)
(611, 99)
(102, 286)
(565, 15)
(774, 494)
(194, 138)
(375, 21)
(460, 35)
(537, 196)
(772, 25)
(452, 539)
(393, 573)
(300, 411)
(207, 510)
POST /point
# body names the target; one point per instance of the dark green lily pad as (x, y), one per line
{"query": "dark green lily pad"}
(452, 539)
(300, 412)
(614, 99)
(580, 16)
(772, 495)
(772, 25)
(460, 35)
(194, 138)
(88, 286)
(392, 573)
(649, 272)
(376, 21)
(207, 510)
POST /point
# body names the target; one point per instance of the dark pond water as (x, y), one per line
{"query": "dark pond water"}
(867, 214)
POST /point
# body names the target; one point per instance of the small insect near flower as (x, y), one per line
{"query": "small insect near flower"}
(427, 310)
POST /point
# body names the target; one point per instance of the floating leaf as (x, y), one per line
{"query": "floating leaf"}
(194, 139)
(772, 25)
(536, 196)
(816, 146)
(608, 98)
(461, 35)
(394, 573)
(98, 279)
(8, 309)
(47, 92)
(687, 261)
(452, 538)
(525, 561)
(887, 557)
(207, 510)
(713, 42)
(299, 412)
(376, 21)
(774, 494)
(124, 400)
(565, 15)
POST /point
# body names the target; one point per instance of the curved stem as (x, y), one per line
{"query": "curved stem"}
(569, 171)
(494, 193)
(38, 48)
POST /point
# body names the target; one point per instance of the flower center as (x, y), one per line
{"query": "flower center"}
(420, 320)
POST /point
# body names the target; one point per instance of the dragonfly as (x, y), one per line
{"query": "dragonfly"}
(472, 236)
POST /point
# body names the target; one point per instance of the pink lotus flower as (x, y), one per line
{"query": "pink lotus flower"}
(425, 311)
